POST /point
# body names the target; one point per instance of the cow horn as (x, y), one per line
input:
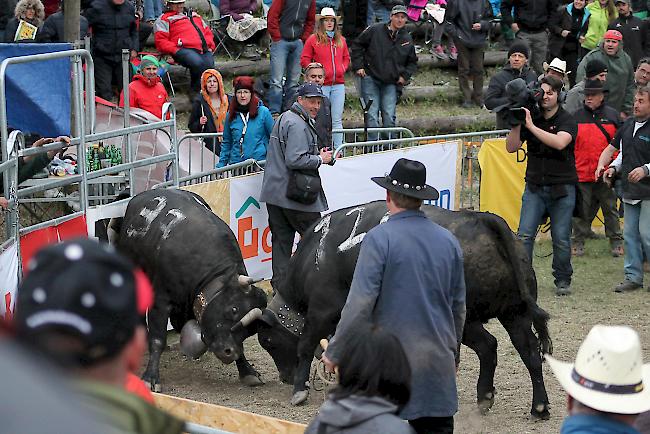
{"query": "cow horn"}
(252, 315)
(246, 280)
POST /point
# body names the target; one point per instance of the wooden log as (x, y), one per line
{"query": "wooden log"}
(260, 67)
(224, 418)
(439, 124)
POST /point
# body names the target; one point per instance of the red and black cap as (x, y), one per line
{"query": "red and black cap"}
(87, 290)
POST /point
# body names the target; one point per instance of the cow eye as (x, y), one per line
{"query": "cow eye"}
(234, 310)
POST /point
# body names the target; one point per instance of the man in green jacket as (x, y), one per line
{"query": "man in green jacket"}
(620, 72)
(82, 306)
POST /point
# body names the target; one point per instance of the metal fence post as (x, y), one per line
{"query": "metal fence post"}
(128, 146)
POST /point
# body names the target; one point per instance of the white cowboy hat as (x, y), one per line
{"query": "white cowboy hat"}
(557, 65)
(327, 13)
(608, 374)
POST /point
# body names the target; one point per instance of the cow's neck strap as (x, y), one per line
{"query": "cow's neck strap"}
(204, 297)
(289, 317)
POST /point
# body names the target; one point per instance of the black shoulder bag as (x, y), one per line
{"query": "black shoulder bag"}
(304, 185)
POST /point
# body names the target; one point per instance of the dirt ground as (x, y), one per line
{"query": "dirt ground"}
(592, 302)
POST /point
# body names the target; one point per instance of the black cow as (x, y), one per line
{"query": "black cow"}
(499, 278)
(198, 274)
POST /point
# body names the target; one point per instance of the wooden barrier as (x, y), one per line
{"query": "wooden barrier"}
(224, 418)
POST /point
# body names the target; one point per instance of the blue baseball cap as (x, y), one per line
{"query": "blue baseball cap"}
(308, 90)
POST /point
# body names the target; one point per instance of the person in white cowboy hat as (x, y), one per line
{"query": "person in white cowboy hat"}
(409, 280)
(608, 386)
(557, 69)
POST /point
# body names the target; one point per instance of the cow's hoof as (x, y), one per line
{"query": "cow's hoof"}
(540, 412)
(485, 404)
(299, 397)
(251, 380)
(155, 387)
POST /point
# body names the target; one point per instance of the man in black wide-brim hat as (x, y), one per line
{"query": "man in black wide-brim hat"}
(409, 280)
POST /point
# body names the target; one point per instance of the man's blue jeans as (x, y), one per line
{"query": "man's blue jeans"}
(153, 9)
(533, 206)
(196, 62)
(285, 62)
(636, 231)
(336, 94)
(377, 11)
(384, 99)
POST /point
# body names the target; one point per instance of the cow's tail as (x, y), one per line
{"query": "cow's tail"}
(115, 223)
(540, 316)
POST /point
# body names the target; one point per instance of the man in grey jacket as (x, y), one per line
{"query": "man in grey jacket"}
(293, 146)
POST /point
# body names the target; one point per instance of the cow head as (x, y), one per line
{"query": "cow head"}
(223, 309)
(278, 332)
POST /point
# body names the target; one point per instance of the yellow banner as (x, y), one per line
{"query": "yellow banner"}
(502, 180)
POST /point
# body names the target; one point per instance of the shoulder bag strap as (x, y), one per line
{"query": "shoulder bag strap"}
(204, 44)
(244, 120)
(601, 128)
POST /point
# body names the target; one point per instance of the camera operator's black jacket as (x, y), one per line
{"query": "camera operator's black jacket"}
(496, 91)
(385, 57)
(546, 165)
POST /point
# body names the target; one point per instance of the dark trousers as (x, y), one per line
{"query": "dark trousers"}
(144, 30)
(284, 224)
(196, 62)
(595, 195)
(433, 425)
(108, 71)
(470, 67)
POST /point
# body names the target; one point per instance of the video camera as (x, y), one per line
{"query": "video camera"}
(521, 95)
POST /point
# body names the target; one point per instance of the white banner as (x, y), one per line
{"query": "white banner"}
(8, 281)
(347, 183)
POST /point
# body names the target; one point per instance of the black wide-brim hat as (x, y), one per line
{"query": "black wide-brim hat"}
(408, 177)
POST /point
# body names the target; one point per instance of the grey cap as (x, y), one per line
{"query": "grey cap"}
(398, 9)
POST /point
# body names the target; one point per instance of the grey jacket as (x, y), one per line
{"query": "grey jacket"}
(293, 145)
(575, 97)
(358, 415)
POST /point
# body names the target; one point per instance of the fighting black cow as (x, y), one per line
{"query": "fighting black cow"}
(499, 278)
(199, 278)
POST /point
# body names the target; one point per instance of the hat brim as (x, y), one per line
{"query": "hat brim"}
(312, 95)
(320, 17)
(427, 193)
(612, 403)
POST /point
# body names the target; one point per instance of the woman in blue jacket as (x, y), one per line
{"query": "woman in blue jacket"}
(247, 128)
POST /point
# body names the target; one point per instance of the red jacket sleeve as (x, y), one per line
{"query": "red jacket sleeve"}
(273, 20)
(310, 21)
(346, 55)
(307, 55)
(162, 39)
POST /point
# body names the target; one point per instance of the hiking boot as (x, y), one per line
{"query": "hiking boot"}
(617, 248)
(250, 52)
(578, 248)
(439, 52)
(562, 288)
(627, 285)
(453, 52)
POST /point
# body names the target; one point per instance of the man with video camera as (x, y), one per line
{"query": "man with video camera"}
(550, 177)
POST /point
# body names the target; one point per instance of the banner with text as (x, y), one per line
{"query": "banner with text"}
(502, 180)
(347, 183)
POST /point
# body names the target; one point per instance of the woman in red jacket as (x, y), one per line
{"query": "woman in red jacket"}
(329, 48)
